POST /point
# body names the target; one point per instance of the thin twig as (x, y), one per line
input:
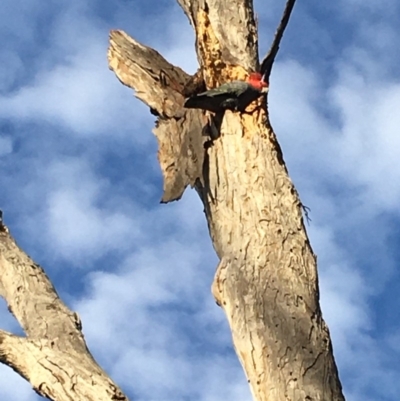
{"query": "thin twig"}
(266, 65)
(306, 211)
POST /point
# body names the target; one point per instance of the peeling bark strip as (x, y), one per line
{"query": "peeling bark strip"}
(267, 280)
(160, 85)
(53, 356)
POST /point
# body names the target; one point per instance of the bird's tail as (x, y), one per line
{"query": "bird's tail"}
(196, 102)
(204, 102)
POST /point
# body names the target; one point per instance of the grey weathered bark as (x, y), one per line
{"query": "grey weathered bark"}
(266, 280)
(53, 355)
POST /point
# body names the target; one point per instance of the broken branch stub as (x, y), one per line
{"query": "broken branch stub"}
(160, 85)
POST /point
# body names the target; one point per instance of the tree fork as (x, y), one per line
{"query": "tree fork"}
(52, 355)
(266, 280)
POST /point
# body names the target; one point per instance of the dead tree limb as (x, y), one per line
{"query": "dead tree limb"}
(160, 85)
(268, 61)
(53, 355)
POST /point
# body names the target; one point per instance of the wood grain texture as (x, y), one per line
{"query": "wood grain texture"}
(53, 355)
(160, 85)
(226, 34)
(266, 281)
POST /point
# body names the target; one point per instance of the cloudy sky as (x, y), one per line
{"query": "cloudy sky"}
(81, 188)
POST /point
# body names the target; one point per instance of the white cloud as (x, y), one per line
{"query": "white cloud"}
(81, 95)
(146, 299)
(369, 146)
(180, 49)
(361, 149)
(78, 225)
(73, 86)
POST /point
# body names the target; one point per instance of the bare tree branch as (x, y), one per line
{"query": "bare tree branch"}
(53, 356)
(13, 351)
(161, 86)
(267, 63)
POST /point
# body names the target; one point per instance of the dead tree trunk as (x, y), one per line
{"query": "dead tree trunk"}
(266, 280)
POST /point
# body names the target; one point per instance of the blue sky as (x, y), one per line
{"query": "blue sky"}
(81, 188)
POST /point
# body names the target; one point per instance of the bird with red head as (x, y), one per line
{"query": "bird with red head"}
(235, 95)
